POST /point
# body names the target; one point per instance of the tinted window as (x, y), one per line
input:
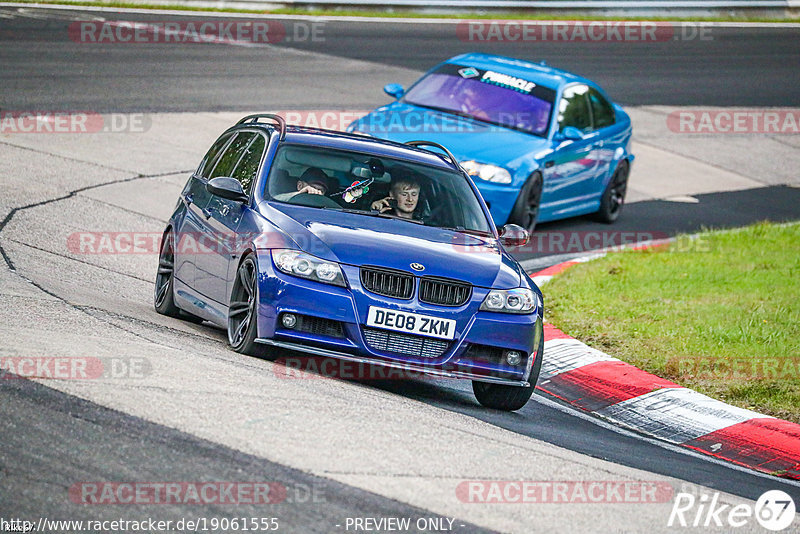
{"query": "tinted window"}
(247, 169)
(208, 161)
(574, 109)
(227, 162)
(602, 112)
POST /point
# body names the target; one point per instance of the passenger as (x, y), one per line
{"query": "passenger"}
(403, 196)
(313, 181)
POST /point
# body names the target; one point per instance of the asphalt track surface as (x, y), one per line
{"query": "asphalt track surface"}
(50, 72)
(39, 464)
(731, 67)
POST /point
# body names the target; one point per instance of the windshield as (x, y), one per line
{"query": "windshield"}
(487, 96)
(372, 186)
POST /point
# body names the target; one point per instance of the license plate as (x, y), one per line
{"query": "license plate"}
(411, 323)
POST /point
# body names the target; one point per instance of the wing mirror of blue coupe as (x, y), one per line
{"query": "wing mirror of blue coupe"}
(228, 188)
(570, 133)
(395, 90)
(512, 235)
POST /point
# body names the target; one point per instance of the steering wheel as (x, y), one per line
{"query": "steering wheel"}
(313, 201)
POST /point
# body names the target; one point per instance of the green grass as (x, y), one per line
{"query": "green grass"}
(719, 314)
(532, 15)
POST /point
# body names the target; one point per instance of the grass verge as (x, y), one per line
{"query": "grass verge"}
(537, 15)
(719, 314)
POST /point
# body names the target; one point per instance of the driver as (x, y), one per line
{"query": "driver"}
(313, 181)
(403, 197)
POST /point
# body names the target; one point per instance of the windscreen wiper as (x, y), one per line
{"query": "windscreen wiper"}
(463, 230)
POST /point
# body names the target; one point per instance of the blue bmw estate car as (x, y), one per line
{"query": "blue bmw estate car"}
(541, 144)
(344, 246)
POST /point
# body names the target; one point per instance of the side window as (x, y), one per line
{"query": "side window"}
(227, 162)
(208, 162)
(573, 110)
(602, 111)
(247, 168)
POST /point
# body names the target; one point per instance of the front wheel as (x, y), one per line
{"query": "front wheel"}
(526, 209)
(243, 311)
(509, 398)
(614, 195)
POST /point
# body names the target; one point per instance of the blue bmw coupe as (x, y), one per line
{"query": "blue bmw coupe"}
(541, 144)
(345, 246)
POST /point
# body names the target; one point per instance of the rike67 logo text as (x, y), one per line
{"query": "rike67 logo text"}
(774, 510)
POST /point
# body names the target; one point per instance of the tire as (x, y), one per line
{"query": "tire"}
(243, 311)
(163, 296)
(509, 398)
(526, 209)
(614, 195)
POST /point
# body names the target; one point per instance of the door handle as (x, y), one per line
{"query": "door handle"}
(548, 164)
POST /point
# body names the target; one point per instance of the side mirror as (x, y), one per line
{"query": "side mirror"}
(228, 188)
(512, 235)
(395, 90)
(570, 133)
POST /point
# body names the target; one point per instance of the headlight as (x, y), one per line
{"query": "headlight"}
(304, 265)
(489, 173)
(519, 300)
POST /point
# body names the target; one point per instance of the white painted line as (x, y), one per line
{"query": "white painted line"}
(676, 415)
(541, 280)
(684, 199)
(567, 354)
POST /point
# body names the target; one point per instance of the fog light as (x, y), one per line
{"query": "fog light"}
(289, 320)
(513, 357)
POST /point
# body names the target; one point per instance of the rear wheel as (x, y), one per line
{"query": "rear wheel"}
(614, 195)
(243, 311)
(526, 209)
(163, 299)
(509, 398)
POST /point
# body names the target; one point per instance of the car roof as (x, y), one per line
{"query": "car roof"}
(537, 73)
(319, 137)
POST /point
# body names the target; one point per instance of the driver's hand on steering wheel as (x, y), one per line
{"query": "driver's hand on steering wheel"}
(311, 190)
(382, 204)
